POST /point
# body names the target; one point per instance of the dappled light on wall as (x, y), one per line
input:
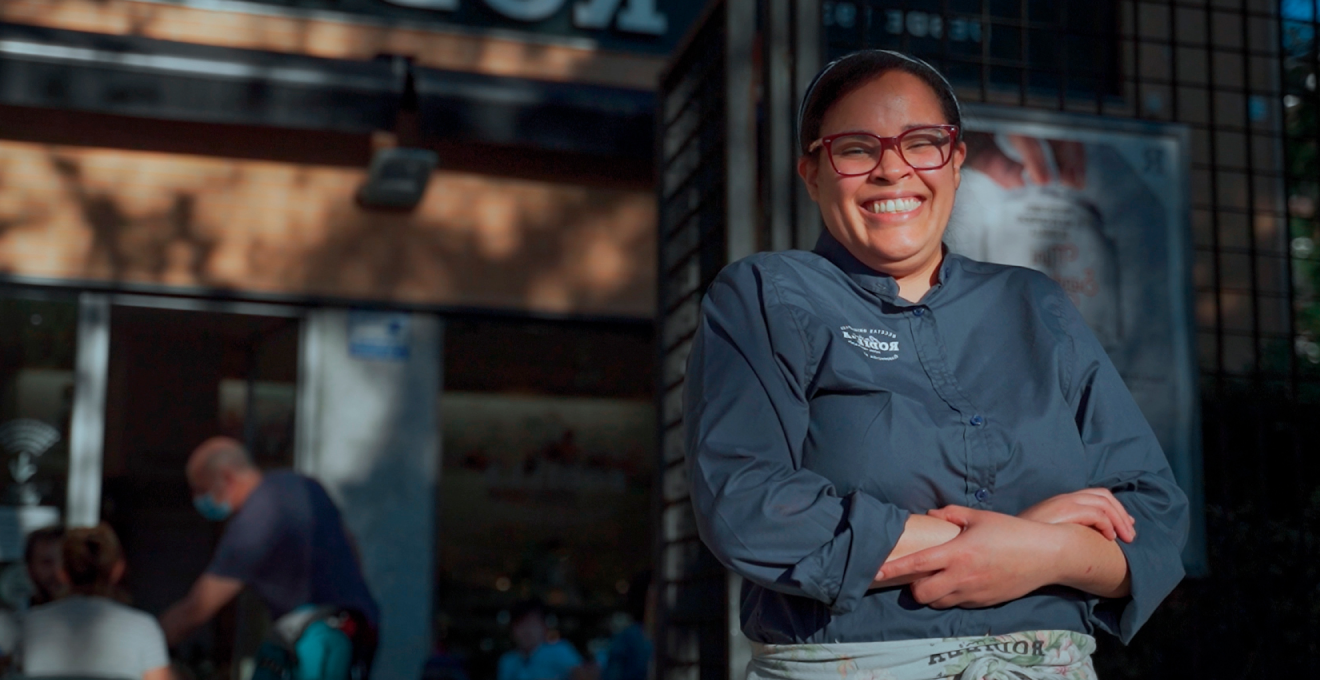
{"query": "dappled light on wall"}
(192, 222)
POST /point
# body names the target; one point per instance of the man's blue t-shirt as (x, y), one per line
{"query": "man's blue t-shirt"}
(287, 542)
(550, 661)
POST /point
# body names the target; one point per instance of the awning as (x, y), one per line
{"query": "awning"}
(142, 77)
(574, 117)
(129, 75)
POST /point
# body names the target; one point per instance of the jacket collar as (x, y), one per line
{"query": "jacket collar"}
(880, 284)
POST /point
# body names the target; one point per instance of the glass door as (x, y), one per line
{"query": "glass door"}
(38, 353)
(175, 378)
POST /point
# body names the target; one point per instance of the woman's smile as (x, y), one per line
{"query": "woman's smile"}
(892, 210)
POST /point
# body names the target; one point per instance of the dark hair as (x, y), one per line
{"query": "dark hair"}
(43, 535)
(525, 608)
(848, 73)
(90, 555)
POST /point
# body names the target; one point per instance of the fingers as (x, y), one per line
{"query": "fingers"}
(920, 562)
(1102, 516)
(937, 592)
(1124, 523)
(943, 591)
(1005, 172)
(953, 514)
(1094, 508)
(1070, 159)
(1101, 523)
(1033, 157)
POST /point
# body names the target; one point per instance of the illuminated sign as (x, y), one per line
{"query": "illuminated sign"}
(635, 16)
(622, 25)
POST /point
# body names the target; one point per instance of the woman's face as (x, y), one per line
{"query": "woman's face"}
(902, 238)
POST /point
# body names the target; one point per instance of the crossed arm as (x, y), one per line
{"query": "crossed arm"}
(960, 557)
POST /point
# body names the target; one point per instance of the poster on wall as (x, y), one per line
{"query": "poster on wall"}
(1101, 206)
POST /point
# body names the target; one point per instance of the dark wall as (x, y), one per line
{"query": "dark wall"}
(1257, 613)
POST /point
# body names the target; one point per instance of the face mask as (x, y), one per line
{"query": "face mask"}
(210, 509)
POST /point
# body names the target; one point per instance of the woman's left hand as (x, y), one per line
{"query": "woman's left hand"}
(995, 559)
(1095, 508)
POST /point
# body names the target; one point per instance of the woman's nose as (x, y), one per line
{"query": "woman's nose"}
(891, 167)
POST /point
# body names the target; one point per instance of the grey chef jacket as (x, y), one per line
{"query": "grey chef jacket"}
(821, 410)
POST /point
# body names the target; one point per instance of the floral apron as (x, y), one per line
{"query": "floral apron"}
(1030, 655)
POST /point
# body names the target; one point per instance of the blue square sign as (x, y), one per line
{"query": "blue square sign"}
(381, 336)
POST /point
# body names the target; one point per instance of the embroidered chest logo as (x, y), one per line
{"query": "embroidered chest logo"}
(876, 343)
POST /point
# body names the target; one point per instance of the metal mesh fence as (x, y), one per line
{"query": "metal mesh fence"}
(1213, 65)
(691, 196)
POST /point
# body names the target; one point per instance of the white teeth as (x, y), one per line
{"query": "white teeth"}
(895, 205)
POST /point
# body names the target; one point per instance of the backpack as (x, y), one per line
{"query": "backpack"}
(317, 643)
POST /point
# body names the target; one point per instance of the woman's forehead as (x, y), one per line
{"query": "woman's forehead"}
(892, 102)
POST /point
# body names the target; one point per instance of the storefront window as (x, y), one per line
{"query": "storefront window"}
(546, 486)
(37, 353)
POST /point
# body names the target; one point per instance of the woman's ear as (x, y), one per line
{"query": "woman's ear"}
(959, 155)
(117, 571)
(63, 576)
(809, 170)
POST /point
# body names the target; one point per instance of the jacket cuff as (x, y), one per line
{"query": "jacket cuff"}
(1153, 576)
(841, 571)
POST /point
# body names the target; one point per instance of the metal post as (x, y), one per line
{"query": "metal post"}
(777, 113)
(807, 60)
(87, 423)
(740, 140)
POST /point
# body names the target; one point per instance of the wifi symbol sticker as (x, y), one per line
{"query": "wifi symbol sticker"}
(26, 440)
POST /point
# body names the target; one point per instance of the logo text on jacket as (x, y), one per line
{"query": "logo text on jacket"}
(876, 343)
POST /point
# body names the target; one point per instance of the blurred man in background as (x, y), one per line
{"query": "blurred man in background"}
(535, 656)
(286, 541)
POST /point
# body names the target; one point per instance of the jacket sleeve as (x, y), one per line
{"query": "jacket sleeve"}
(1125, 457)
(746, 416)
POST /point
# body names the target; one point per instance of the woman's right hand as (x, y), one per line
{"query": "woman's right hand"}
(920, 532)
(1094, 508)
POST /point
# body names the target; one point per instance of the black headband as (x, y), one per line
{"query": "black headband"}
(806, 98)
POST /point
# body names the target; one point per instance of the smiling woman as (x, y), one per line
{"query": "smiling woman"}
(923, 466)
(890, 209)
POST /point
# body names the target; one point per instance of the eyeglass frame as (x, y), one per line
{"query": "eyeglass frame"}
(885, 143)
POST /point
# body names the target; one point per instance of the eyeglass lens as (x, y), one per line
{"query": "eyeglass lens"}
(921, 148)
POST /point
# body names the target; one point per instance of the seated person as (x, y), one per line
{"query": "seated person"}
(629, 654)
(41, 557)
(86, 632)
(41, 554)
(535, 658)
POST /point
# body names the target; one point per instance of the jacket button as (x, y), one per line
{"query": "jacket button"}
(977, 420)
(918, 311)
(982, 494)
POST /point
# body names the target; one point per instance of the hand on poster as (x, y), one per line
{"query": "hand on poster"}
(1013, 160)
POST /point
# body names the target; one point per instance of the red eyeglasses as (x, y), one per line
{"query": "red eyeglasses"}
(859, 153)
